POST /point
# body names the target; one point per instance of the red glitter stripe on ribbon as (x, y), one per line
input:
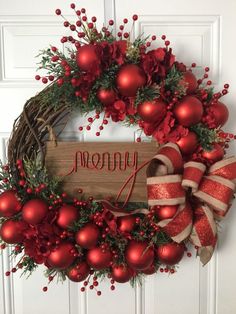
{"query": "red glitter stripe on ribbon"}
(165, 191)
(174, 156)
(192, 174)
(228, 172)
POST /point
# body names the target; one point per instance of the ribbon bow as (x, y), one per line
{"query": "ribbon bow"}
(203, 196)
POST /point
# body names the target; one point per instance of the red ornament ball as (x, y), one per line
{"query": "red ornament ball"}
(152, 111)
(121, 273)
(166, 212)
(170, 253)
(79, 272)
(87, 237)
(87, 57)
(12, 231)
(150, 270)
(34, 211)
(148, 128)
(188, 143)
(138, 255)
(61, 257)
(126, 223)
(220, 113)
(189, 81)
(189, 111)
(216, 154)
(66, 216)
(106, 96)
(129, 79)
(98, 258)
(9, 204)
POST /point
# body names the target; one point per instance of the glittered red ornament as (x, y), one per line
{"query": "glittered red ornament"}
(79, 272)
(152, 111)
(189, 81)
(129, 79)
(9, 204)
(67, 215)
(121, 273)
(216, 154)
(138, 255)
(188, 143)
(150, 270)
(189, 111)
(62, 256)
(106, 96)
(87, 237)
(12, 231)
(220, 113)
(166, 211)
(87, 57)
(98, 258)
(170, 253)
(126, 223)
(34, 211)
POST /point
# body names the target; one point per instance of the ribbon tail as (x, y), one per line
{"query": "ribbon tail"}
(205, 253)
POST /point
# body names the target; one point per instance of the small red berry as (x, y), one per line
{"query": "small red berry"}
(111, 22)
(8, 273)
(84, 18)
(154, 37)
(99, 293)
(58, 12)
(163, 37)
(37, 77)
(66, 24)
(125, 21)
(72, 6)
(94, 19)
(44, 80)
(135, 17)
(83, 10)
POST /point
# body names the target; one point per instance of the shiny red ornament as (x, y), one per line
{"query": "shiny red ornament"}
(87, 237)
(121, 273)
(67, 215)
(188, 143)
(189, 111)
(216, 154)
(9, 204)
(138, 255)
(166, 211)
(152, 111)
(106, 96)
(98, 258)
(189, 81)
(220, 113)
(126, 223)
(12, 231)
(129, 79)
(62, 256)
(34, 211)
(87, 57)
(150, 270)
(170, 253)
(79, 272)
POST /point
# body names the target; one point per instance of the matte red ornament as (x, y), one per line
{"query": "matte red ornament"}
(87, 237)
(170, 253)
(98, 258)
(12, 231)
(188, 143)
(9, 204)
(189, 111)
(87, 57)
(166, 212)
(150, 270)
(138, 255)
(129, 79)
(152, 111)
(126, 223)
(66, 216)
(106, 96)
(220, 113)
(62, 256)
(121, 273)
(34, 211)
(189, 81)
(79, 272)
(216, 154)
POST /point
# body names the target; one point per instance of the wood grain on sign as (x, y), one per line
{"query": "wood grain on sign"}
(100, 169)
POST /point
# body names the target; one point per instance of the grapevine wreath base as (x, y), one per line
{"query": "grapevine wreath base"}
(190, 185)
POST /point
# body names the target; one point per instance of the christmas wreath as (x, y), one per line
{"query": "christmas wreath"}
(190, 185)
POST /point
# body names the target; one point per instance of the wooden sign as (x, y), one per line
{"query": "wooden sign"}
(102, 169)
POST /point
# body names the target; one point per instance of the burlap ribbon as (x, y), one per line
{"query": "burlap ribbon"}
(203, 196)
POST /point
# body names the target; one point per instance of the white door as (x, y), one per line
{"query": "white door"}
(200, 31)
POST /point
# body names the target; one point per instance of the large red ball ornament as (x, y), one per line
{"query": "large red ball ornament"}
(87, 237)
(121, 273)
(98, 258)
(138, 255)
(79, 272)
(126, 223)
(34, 211)
(106, 96)
(152, 111)
(150, 270)
(66, 216)
(220, 113)
(189, 81)
(166, 211)
(170, 253)
(189, 111)
(216, 154)
(188, 143)
(129, 79)
(87, 57)
(9, 204)
(12, 231)
(62, 256)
